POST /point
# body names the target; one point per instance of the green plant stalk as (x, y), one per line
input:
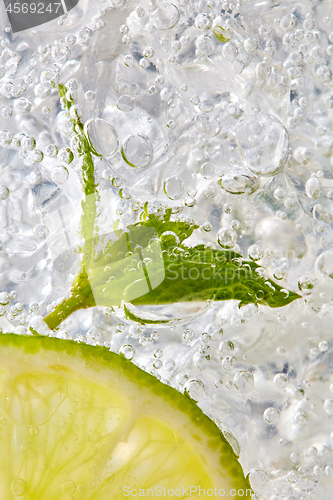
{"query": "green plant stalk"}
(88, 204)
(81, 290)
(80, 297)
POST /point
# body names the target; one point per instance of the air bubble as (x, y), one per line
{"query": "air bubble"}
(76, 111)
(298, 393)
(324, 265)
(244, 381)
(38, 325)
(66, 155)
(60, 174)
(4, 192)
(305, 284)
(125, 103)
(230, 51)
(195, 390)
(68, 487)
(203, 22)
(4, 298)
(102, 136)
(226, 347)
(84, 35)
(271, 415)
(171, 124)
(41, 231)
(90, 95)
(22, 106)
(49, 78)
(205, 44)
(182, 378)
(319, 212)
(6, 112)
(300, 419)
(207, 170)
(328, 406)
(148, 52)
(189, 335)
(251, 45)
(228, 363)
(144, 63)
(51, 150)
(137, 151)
(207, 226)
(258, 479)
(28, 143)
(313, 188)
(323, 346)
(239, 182)
(255, 252)
(226, 237)
(145, 341)
(166, 16)
(263, 142)
(281, 380)
(174, 187)
(33, 431)
(18, 487)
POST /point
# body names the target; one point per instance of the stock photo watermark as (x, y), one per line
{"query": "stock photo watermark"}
(183, 492)
(26, 14)
(207, 273)
(317, 493)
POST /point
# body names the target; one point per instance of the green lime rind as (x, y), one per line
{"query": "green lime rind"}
(156, 399)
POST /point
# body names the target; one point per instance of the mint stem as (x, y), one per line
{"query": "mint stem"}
(88, 204)
(81, 295)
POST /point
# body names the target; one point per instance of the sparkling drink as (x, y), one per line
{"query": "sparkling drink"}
(166, 192)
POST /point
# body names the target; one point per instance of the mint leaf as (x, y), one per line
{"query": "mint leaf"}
(200, 274)
(162, 223)
(139, 267)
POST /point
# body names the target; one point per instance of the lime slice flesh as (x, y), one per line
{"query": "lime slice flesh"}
(80, 422)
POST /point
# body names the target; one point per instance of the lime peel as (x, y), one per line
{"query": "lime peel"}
(81, 420)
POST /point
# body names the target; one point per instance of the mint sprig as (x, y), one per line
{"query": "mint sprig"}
(112, 276)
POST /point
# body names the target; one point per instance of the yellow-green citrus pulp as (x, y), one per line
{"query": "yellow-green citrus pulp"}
(80, 422)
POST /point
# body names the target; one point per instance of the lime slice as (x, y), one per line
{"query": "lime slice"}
(80, 422)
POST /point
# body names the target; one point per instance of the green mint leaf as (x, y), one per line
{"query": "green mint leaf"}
(141, 267)
(200, 274)
(137, 266)
(163, 224)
